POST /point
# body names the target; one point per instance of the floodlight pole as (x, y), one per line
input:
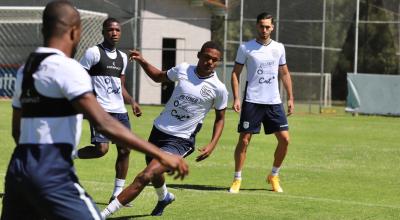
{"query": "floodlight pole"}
(225, 40)
(321, 88)
(241, 23)
(278, 5)
(135, 36)
(356, 38)
(276, 29)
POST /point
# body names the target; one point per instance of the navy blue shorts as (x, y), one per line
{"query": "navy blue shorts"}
(168, 143)
(252, 115)
(97, 137)
(41, 184)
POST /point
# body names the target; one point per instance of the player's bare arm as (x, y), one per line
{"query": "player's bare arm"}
(217, 131)
(16, 124)
(287, 83)
(128, 99)
(237, 70)
(155, 74)
(110, 127)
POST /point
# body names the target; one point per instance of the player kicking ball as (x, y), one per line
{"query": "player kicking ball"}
(198, 89)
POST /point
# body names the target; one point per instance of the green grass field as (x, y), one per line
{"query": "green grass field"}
(338, 167)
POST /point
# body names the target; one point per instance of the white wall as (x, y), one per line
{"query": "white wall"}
(155, 26)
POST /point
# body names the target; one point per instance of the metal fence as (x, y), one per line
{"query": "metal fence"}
(320, 36)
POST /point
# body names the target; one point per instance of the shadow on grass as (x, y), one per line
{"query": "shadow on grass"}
(1, 195)
(128, 217)
(207, 188)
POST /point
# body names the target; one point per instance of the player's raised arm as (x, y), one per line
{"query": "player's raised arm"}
(108, 126)
(155, 74)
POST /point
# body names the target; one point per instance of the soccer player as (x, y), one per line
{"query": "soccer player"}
(106, 66)
(198, 89)
(51, 88)
(264, 59)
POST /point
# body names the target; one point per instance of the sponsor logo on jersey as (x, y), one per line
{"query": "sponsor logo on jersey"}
(183, 107)
(265, 67)
(112, 88)
(265, 80)
(114, 67)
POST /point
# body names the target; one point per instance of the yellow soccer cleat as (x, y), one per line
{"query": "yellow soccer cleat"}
(235, 187)
(274, 181)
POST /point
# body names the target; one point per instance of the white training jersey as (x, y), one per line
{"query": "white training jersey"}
(190, 101)
(107, 85)
(58, 76)
(262, 64)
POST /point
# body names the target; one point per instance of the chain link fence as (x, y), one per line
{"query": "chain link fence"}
(319, 36)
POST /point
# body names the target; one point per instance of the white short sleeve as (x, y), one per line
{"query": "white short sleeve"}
(174, 72)
(221, 100)
(282, 59)
(241, 55)
(18, 87)
(76, 83)
(125, 61)
(90, 58)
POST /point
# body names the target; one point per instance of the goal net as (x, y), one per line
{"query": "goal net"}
(313, 90)
(20, 34)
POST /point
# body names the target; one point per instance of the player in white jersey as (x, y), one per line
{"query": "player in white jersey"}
(51, 89)
(198, 89)
(265, 59)
(106, 65)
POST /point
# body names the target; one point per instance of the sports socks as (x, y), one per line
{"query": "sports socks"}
(238, 175)
(114, 206)
(161, 192)
(118, 186)
(275, 171)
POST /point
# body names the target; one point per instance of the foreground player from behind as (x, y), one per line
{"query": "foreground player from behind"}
(50, 90)
(264, 59)
(106, 65)
(174, 131)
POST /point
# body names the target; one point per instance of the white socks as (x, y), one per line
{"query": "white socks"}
(238, 175)
(161, 192)
(114, 206)
(275, 171)
(118, 186)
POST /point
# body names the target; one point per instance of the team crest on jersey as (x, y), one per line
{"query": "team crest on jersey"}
(275, 53)
(246, 124)
(205, 91)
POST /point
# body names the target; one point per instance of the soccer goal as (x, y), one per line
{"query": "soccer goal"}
(20, 34)
(311, 89)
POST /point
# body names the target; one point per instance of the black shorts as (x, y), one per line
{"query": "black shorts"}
(41, 184)
(172, 144)
(252, 115)
(97, 137)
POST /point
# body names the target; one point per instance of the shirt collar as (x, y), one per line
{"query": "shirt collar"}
(49, 50)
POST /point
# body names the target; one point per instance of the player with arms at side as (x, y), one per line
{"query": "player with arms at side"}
(174, 131)
(51, 89)
(264, 59)
(106, 65)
